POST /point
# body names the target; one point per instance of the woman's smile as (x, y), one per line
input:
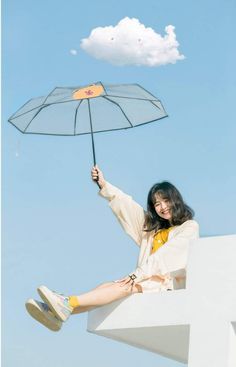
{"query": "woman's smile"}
(166, 214)
(162, 207)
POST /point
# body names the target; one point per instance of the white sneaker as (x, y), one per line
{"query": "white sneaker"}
(41, 312)
(58, 303)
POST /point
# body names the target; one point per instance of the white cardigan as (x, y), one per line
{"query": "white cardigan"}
(170, 260)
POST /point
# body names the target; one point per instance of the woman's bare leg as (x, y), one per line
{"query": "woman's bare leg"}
(104, 294)
(82, 309)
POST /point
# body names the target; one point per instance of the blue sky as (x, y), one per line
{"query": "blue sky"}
(56, 230)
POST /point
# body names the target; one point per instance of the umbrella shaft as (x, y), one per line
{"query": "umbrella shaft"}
(91, 128)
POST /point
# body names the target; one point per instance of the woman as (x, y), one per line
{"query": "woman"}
(163, 233)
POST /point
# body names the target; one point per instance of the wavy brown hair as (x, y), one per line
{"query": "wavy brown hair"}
(179, 210)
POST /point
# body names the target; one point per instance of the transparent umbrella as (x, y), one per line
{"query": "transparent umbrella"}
(87, 110)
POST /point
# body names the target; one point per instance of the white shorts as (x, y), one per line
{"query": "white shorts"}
(155, 286)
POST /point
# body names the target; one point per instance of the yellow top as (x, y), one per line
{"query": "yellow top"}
(160, 238)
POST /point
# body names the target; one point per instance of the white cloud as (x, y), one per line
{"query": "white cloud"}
(73, 52)
(131, 43)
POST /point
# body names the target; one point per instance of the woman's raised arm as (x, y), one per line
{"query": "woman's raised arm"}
(129, 213)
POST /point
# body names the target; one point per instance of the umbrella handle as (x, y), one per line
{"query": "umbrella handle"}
(96, 180)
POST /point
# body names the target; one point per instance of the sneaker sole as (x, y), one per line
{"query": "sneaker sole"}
(39, 314)
(45, 294)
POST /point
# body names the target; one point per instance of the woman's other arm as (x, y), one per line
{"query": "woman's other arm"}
(172, 256)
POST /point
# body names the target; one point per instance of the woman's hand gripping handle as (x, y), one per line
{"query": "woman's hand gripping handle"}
(97, 176)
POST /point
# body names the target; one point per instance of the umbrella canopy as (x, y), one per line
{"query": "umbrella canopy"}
(89, 109)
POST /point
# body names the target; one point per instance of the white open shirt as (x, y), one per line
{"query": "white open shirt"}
(169, 260)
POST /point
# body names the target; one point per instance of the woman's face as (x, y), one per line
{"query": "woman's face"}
(162, 207)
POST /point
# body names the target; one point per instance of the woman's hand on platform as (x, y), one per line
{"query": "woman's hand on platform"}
(97, 176)
(126, 281)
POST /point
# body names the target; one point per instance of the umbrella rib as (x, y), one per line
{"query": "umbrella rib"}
(40, 109)
(12, 116)
(144, 89)
(49, 94)
(76, 111)
(156, 105)
(42, 106)
(139, 99)
(58, 93)
(103, 87)
(24, 113)
(117, 104)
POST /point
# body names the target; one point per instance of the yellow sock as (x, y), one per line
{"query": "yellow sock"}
(73, 301)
